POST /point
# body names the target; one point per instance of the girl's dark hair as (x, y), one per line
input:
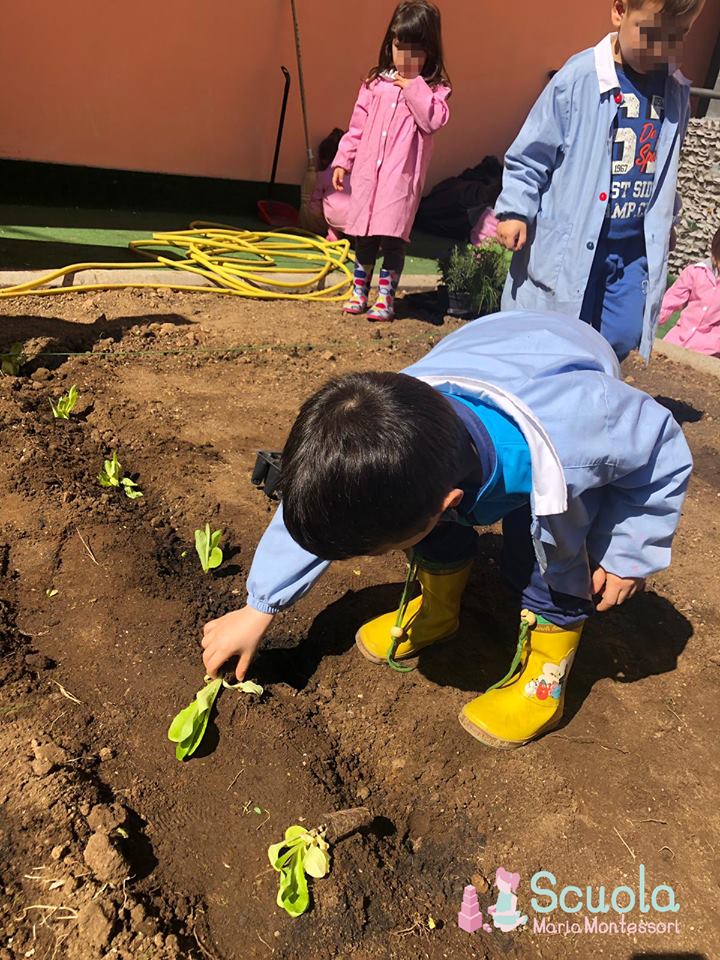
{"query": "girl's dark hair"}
(715, 248)
(417, 22)
(368, 462)
(329, 147)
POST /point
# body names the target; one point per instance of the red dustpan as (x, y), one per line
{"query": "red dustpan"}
(277, 214)
(274, 212)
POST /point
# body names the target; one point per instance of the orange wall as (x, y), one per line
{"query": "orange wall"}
(194, 87)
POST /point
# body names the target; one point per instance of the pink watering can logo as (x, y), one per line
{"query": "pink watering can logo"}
(504, 913)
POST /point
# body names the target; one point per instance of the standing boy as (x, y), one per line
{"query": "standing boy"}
(589, 191)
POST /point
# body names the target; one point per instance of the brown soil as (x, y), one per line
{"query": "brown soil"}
(111, 848)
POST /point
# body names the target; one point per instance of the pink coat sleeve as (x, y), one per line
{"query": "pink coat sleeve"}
(347, 149)
(678, 295)
(427, 105)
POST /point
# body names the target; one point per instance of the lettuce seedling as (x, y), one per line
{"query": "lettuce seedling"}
(111, 476)
(189, 726)
(301, 852)
(65, 405)
(12, 361)
(206, 544)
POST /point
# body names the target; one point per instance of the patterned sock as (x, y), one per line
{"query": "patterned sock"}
(384, 309)
(361, 288)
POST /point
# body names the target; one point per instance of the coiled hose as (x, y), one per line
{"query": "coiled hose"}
(238, 263)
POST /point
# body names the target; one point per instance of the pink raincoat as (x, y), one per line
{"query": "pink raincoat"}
(388, 147)
(485, 227)
(329, 207)
(698, 328)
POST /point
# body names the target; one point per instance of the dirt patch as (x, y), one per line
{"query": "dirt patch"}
(159, 859)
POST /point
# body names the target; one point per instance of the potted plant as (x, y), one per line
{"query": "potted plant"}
(474, 278)
(458, 273)
(492, 264)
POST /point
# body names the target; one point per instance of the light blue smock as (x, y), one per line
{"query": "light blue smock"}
(610, 465)
(558, 176)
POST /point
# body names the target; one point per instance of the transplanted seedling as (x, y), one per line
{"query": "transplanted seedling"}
(207, 546)
(12, 361)
(65, 405)
(301, 852)
(111, 476)
(189, 726)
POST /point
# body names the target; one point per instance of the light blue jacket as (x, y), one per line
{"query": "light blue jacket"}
(557, 178)
(610, 466)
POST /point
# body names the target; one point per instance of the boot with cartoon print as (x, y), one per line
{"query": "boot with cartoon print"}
(362, 278)
(530, 700)
(384, 308)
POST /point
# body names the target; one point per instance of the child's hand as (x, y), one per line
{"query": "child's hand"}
(401, 81)
(512, 234)
(614, 590)
(338, 177)
(236, 634)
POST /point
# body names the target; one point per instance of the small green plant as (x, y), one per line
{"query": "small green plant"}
(301, 852)
(206, 544)
(189, 726)
(111, 476)
(12, 361)
(458, 270)
(65, 405)
(493, 263)
(475, 276)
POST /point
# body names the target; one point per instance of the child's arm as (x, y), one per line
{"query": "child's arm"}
(280, 574)
(530, 162)
(677, 296)
(348, 146)
(427, 105)
(640, 508)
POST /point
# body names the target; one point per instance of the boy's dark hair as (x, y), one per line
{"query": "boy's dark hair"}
(368, 462)
(417, 22)
(329, 147)
(715, 248)
(671, 8)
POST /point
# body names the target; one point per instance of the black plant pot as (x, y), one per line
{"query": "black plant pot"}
(460, 305)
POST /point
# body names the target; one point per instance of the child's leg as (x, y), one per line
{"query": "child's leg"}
(366, 253)
(444, 560)
(623, 308)
(615, 296)
(522, 572)
(393, 263)
(530, 700)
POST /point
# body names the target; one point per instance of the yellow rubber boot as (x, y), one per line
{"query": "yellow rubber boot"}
(432, 616)
(530, 703)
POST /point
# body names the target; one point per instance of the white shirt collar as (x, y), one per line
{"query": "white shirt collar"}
(607, 73)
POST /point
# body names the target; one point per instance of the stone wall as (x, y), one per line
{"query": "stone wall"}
(699, 185)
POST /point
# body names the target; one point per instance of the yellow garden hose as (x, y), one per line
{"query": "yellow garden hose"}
(238, 263)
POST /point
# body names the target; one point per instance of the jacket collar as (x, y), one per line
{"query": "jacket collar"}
(549, 493)
(605, 66)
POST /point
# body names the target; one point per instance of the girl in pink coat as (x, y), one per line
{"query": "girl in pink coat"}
(697, 290)
(401, 104)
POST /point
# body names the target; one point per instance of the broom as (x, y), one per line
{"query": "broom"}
(308, 182)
